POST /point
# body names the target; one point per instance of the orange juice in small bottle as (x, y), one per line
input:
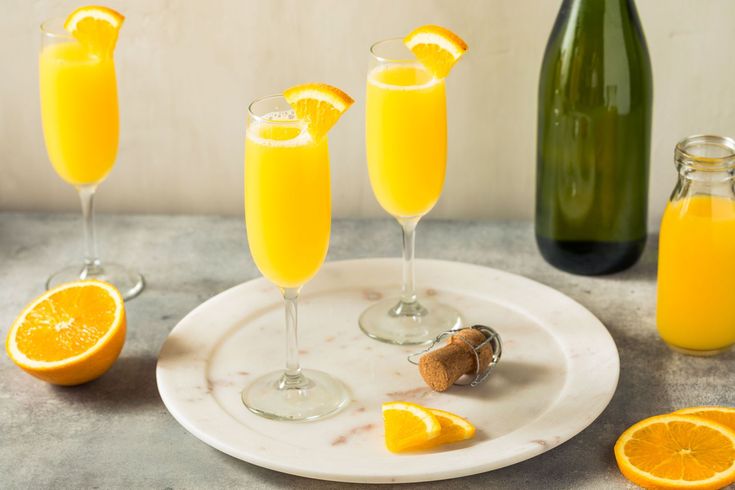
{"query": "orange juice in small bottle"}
(695, 312)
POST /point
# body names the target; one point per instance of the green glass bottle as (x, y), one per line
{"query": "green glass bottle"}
(594, 135)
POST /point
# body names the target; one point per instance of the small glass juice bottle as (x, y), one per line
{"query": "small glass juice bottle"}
(695, 312)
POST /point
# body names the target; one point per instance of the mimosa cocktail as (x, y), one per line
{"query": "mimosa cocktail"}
(79, 112)
(406, 144)
(288, 220)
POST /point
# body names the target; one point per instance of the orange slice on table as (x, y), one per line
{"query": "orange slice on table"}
(437, 48)
(70, 334)
(96, 28)
(319, 104)
(677, 451)
(723, 415)
(453, 429)
(408, 425)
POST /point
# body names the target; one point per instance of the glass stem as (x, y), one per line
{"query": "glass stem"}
(91, 261)
(408, 305)
(292, 378)
(408, 291)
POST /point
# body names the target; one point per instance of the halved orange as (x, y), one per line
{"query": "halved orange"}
(96, 28)
(677, 451)
(408, 425)
(436, 47)
(319, 104)
(70, 334)
(453, 429)
(723, 415)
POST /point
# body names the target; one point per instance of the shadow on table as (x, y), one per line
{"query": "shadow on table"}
(130, 383)
(508, 378)
(646, 267)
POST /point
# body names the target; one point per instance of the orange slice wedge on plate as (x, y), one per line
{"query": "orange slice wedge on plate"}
(408, 425)
(453, 429)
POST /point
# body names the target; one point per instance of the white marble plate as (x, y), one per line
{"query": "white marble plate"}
(558, 372)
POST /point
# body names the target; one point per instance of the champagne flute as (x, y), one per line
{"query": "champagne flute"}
(80, 125)
(288, 220)
(406, 141)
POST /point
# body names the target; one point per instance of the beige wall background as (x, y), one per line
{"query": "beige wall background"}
(188, 69)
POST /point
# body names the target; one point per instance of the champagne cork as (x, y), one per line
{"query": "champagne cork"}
(440, 368)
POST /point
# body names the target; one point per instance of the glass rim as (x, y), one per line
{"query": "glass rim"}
(384, 59)
(48, 29)
(689, 159)
(262, 118)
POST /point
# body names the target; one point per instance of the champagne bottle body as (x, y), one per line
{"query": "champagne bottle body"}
(594, 127)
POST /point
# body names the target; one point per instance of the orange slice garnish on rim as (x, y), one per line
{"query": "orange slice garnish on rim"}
(436, 47)
(319, 104)
(96, 28)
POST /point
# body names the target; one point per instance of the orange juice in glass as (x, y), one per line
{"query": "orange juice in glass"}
(79, 112)
(287, 201)
(406, 137)
(696, 272)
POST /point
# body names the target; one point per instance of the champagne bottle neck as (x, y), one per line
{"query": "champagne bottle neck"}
(599, 11)
(602, 4)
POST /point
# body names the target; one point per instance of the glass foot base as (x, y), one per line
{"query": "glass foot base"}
(698, 353)
(311, 396)
(128, 282)
(390, 321)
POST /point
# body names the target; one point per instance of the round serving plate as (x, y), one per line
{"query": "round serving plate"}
(558, 372)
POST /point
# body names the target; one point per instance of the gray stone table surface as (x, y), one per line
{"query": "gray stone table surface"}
(116, 433)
